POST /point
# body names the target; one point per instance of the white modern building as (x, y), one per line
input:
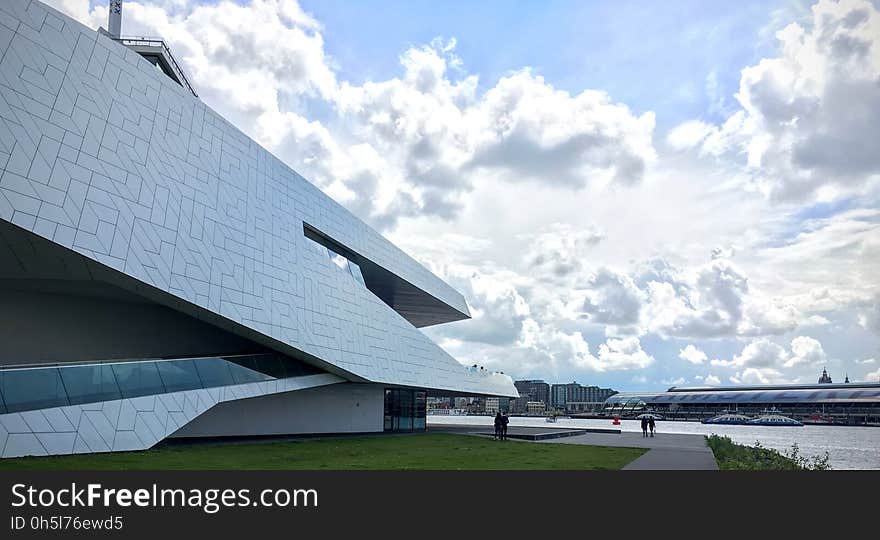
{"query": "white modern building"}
(162, 275)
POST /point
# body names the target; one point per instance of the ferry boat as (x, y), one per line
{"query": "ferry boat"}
(732, 419)
(771, 417)
(774, 420)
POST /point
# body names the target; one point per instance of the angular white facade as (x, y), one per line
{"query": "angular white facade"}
(121, 188)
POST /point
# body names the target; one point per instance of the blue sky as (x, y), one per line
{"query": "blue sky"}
(650, 55)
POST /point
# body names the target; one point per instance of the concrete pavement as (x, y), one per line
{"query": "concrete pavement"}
(668, 451)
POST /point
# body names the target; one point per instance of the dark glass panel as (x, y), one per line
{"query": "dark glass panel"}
(406, 410)
(25, 389)
(213, 372)
(88, 384)
(242, 374)
(389, 415)
(179, 375)
(138, 379)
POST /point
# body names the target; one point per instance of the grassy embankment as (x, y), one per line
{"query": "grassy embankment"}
(415, 452)
(732, 456)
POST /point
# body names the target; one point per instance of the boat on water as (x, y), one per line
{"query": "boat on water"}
(773, 420)
(770, 417)
(732, 419)
(550, 419)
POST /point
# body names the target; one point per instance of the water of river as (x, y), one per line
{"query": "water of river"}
(848, 447)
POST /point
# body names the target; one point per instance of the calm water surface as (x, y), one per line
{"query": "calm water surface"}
(847, 447)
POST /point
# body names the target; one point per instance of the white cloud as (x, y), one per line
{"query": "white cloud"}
(712, 300)
(692, 354)
(805, 351)
(762, 361)
(558, 251)
(689, 134)
(612, 298)
(809, 117)
(624, 353)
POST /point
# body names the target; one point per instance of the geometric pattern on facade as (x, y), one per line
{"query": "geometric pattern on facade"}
(127, 424)
(105, 155)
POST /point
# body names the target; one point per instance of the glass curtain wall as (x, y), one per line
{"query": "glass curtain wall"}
(23, 389)
(405, 409)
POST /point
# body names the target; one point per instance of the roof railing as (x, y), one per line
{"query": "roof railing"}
(144, 41)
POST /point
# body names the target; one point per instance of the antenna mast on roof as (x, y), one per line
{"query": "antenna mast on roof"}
(114, 22)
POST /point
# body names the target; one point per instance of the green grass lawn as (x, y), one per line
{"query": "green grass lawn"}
(420, 451)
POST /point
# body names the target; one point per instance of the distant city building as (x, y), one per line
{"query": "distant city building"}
(578, 407)
(518, 405)
(563, 394)
(535, 407)
(536, 389)
(825, 379)
(492, 406)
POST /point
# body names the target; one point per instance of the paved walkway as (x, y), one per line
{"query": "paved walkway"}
(667, 451)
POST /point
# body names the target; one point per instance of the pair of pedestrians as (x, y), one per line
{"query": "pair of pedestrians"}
(647, 423)
(501, 421)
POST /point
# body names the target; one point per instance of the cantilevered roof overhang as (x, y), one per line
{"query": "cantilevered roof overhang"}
(416, 305)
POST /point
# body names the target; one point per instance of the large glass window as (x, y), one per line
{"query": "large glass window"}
(405, 409)
(25, 389)
(88, 384)
(39, 388)
(213, 372)
(178, 375)
(420, 410)
(138, 379)
(341, 261)
(242, 375)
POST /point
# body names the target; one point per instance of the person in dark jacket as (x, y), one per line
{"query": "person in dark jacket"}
(504, 421)
(644, 427)
(651, 425)
(498, 422)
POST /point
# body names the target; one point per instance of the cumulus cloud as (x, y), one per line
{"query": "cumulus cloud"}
(498, 311)
(762, 361)
(558, 252)
(809, 117)
(869, 315)
(613, 299)
(692, 355)
(708, 380)
(625, 353)
(713, 300)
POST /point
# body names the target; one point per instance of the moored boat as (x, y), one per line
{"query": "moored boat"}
(774, 420)
(732, 419)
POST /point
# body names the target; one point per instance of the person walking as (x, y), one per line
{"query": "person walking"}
(504, 421)
(498, 421)
(651, 425)
(644, 427)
